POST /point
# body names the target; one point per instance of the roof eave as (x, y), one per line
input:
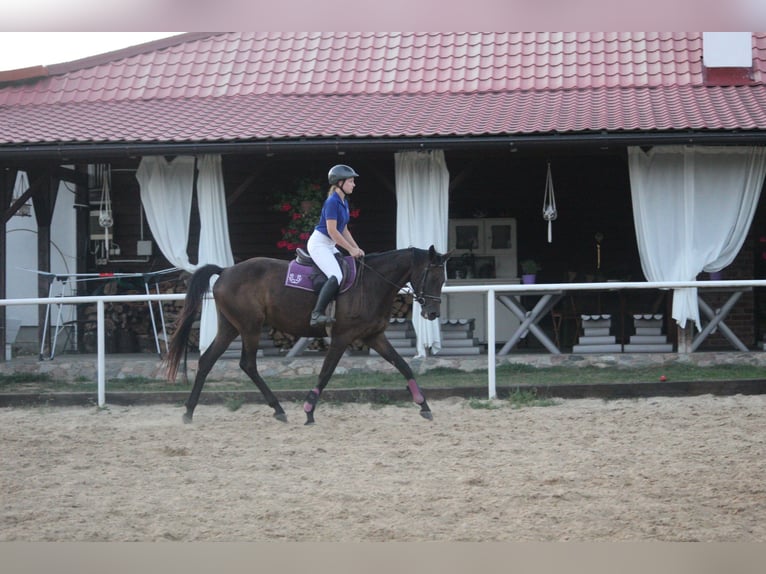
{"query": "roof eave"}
(63, 152)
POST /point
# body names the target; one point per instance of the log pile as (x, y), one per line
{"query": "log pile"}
(128, 326)
(402, 307)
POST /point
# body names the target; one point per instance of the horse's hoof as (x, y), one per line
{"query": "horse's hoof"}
(187, 418)
(281, 417)
(427, 415)
(308, 423)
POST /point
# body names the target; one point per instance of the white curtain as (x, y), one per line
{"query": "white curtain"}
(692, 208)
(422, 210)
(166, 194)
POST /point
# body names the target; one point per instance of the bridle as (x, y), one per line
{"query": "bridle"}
(420, 295)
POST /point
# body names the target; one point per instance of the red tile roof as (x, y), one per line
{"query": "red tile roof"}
(243, 86)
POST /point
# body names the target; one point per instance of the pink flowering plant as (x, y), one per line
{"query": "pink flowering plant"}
(303, 206)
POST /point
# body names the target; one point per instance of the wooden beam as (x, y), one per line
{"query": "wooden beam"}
(387, 184)
(461, 177)
(46, 187)
(7, 183)
(70, 175)
(242, 187)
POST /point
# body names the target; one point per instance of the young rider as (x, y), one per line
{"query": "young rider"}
(331, 232)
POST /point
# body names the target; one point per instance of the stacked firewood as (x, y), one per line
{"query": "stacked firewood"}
(401, 308)
(128, 326)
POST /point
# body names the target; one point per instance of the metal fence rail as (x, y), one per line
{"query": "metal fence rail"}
(100, 301)
(490, 291)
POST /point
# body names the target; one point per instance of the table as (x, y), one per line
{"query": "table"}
(718, 315)
(530, 317)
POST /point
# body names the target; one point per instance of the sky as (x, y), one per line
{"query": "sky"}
(46, 43)
(24, 49)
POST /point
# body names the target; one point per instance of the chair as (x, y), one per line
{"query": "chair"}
(565, 312)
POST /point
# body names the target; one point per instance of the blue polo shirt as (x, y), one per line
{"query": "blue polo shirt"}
(334, 208)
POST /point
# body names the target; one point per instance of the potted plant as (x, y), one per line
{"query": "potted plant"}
(529, 269)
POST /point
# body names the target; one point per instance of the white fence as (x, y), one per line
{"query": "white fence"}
(491, 292)
(100, 301)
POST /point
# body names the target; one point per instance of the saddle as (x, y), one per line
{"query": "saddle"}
(303, 273)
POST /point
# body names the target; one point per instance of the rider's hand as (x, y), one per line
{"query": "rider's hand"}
(357, 253)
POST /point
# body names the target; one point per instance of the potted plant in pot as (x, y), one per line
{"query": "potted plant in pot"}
(529, 269)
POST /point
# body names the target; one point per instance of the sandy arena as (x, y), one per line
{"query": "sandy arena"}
(660, 469)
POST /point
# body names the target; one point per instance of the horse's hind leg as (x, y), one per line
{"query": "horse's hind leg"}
(334, 353)
(249, 364)
(223, 338)
(384, 348)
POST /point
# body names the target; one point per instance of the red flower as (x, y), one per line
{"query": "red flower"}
(300, 204)
(354, 213)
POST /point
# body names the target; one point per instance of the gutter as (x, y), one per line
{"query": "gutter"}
(77, 151)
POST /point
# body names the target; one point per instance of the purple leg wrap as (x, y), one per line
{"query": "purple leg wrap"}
(311, 401)
(417, 396)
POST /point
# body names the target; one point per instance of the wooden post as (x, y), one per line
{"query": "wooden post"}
(44, 199)
(7, 182)
(685, 337)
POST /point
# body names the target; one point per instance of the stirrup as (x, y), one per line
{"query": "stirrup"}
(317, 319)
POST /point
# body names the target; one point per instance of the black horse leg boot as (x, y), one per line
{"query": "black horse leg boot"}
(327, 294)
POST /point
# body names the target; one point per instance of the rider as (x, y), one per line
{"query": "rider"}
(332, 231)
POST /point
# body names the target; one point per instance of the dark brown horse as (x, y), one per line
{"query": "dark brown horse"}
(252, 293)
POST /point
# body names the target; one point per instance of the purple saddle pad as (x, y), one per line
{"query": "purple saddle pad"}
(300, 276)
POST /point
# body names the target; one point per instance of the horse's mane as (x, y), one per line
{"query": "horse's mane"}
(379, 254)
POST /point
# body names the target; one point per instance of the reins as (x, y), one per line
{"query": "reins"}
(419, 294)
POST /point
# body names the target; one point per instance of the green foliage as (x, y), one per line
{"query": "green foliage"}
(234, 403)
(528, 398)
(511, 376)
(486, 404)
(530, 266)
(11, 379)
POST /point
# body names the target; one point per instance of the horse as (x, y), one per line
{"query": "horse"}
(253, 292)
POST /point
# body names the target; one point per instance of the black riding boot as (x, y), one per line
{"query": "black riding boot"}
(327, 294)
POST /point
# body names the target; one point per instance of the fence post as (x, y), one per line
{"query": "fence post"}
(491, 342)
(100, 352)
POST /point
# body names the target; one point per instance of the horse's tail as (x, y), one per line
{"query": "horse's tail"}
(198, 286)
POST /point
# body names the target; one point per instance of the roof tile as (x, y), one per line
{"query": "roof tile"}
(377, 115)
(382, 85)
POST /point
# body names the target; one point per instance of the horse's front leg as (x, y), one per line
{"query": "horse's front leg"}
(204, 366)
(383, 346)
(334, 353)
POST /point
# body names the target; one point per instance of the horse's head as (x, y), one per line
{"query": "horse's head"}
(428, 280)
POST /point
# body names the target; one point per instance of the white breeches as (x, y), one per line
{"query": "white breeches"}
(322, 250)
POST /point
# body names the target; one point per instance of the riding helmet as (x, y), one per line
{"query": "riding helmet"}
(340, 172)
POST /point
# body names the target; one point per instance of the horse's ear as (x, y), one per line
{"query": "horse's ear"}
(436, 257)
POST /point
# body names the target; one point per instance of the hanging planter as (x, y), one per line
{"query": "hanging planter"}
(549, 204)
